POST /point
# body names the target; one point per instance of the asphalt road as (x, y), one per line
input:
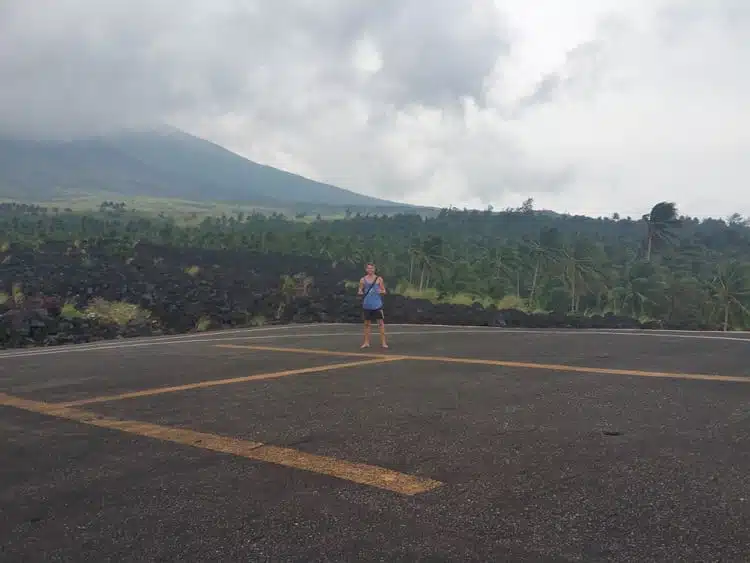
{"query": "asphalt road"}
(292, 444)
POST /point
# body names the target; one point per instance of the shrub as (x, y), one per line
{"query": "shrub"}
(203, 324)
(69, 311)
(117, 312)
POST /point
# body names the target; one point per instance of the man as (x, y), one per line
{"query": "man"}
(372, 288)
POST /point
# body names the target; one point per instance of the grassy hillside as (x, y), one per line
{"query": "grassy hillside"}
(191, 211)
(166, 165)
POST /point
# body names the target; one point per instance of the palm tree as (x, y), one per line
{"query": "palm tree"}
(545, 252)
(640, 285)
(413, 257)
(663, 216)
(325, 244)
(429, 255)
(287, 289)
(506, 265)
(578, 270)
(731, 286)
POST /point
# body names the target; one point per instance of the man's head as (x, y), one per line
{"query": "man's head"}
(370, 269)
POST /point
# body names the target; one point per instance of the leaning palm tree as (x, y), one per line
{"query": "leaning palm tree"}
(663, 216)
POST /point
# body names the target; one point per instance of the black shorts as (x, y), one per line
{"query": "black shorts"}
(372, 314)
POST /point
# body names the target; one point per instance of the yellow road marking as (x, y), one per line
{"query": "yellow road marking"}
(305, 351)
(361, 473)
(584, 369)
(505, 363)
(213, 383)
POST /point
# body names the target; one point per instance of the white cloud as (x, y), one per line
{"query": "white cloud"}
(593, 106)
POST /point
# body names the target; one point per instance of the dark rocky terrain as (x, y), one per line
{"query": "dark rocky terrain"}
(60, 294)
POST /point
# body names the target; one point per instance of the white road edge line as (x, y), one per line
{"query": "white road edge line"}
(152, 340)
(618, 330)
(144, 342)
(701, 335)
(221, 336)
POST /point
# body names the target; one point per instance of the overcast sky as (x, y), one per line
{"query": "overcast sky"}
(588, 106)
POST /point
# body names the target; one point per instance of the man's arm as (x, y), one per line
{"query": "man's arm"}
(361, 289)
(381, 283)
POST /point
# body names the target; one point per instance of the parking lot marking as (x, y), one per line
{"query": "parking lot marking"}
(585, 369)
(371, 475)
(506, 363)
(216, 382)
(317, 351)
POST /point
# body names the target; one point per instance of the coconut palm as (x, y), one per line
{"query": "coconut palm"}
(731, 288)
(662, 218)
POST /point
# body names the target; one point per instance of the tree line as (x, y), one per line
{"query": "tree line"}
(661, 266)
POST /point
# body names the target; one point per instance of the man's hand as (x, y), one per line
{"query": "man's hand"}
(382, 286)
(361, 289)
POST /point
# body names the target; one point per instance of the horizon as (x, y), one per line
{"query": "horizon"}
(167, 129)
(602, 108)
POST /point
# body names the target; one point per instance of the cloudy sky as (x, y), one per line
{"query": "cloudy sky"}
(588, 106)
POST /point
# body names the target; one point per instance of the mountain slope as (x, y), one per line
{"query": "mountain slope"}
(169, 164)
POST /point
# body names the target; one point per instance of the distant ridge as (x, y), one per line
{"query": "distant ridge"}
(163, 163)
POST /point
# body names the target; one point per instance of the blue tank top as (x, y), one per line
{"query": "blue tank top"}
(372, 300)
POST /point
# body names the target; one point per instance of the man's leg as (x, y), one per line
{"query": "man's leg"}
(366, 342)
(381, 326)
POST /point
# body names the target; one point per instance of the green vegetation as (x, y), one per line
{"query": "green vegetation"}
(70, 311)
(203, 324)
(257, 320)
(432, 294)
(187, 212)
(662, 266)
(116, 312)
